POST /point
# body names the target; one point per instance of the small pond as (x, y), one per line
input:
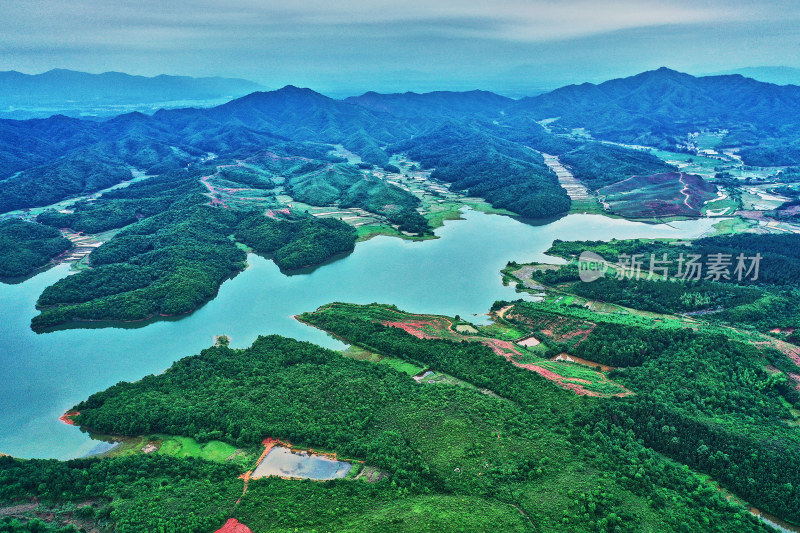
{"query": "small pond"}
(282, 461)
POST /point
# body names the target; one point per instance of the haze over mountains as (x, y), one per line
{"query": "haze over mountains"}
(658, 108)
(75, 93)
(776, 75)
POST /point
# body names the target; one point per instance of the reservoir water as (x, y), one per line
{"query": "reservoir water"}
(283, 462)
(43, 375)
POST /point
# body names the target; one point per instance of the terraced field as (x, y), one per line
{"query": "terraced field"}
(659, 195)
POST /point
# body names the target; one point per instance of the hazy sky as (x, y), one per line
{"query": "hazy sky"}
(351, 45)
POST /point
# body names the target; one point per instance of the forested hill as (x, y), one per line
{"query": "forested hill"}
(658, 108)
(43, 161)
(505, 173)
(47, 160)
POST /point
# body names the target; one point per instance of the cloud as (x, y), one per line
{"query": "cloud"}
(102, 22)
(366, 42)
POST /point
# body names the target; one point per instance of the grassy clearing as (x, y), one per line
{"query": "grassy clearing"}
(695, 164)
(587, 378)
(734, 225)
(590, 206)
(360, 354)
(730, 205)
(707, 140)
(177, 446)
(369, 231)
(500, 330)
(402, 366)
(214, 450)
(437, 214)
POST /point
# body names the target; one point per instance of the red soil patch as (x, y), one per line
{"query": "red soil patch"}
(754, 215)
(212, 191)
(553, 327)
(562, 382)
(559, 380)
(505, 349)
(67, 417)
(274, 213)
(790, 350)
(415, 328)
(234, 526)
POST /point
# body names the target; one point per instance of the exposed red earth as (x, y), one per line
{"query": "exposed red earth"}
(790, 350)
(234, 526)
(274, 213)
(569, 383)
(437, 324)
(68, 416)
(431, 327)
(556, 328)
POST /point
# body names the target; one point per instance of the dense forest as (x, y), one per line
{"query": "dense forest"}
(296, 243)
(176, 252)
(710, 405)
(348, 186)
(125, 494)
(46, 160)
(652, 294)
(766, 302)
(440, 444)
(708, 402)
(50, 183)
(171, 250)
(506, 174)
(167, 264)
(124, 206)
(780, 253)
(174, 262)
(702, 398)
(25, 247)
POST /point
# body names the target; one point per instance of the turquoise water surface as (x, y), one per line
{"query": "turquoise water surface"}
(43, 375)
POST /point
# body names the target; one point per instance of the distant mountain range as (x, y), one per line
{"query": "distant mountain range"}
(659, 107)
(72, 92)
(438, 104)
(776, 75)
(656, 108)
